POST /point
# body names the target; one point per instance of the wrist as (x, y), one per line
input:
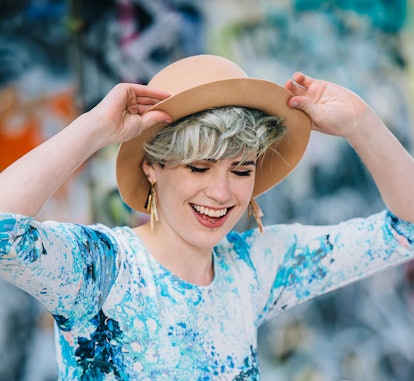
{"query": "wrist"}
(94, 129)
(365, 129)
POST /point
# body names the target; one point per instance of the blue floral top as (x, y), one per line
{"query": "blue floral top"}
(121, 316)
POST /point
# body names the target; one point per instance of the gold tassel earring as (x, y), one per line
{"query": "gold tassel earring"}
(254, 209)
(151, 205)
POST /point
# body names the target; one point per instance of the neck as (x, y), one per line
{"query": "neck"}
(191, 264)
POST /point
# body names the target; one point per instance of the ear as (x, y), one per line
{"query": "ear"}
(148, 169)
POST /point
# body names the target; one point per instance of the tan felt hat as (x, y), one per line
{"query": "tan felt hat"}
(205, 81)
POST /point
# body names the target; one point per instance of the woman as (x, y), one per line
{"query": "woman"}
(182, 297)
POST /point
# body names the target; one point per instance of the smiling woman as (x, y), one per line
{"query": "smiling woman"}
(201, 139)
(182, 296)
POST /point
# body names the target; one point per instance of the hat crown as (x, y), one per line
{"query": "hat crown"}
(191, 72)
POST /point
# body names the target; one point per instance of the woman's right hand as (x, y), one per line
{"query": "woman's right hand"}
(122, 112)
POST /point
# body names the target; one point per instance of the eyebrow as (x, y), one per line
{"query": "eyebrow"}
(238, 163)
(243, 163)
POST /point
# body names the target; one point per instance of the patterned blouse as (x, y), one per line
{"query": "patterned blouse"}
(120, 315)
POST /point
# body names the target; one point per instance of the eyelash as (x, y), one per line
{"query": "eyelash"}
(202, 170)
(197, 169)
(243, 173)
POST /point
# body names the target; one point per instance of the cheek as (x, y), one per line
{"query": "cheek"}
(244, 189)
(173, 190)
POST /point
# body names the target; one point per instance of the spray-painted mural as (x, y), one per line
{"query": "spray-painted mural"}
(59, 58)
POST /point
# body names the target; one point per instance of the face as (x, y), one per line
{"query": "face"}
(198, 204)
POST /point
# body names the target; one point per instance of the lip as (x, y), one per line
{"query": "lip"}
(207, 219)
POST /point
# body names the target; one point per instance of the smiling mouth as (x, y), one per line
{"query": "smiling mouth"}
(212, 213)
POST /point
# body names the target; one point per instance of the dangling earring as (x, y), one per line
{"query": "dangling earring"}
(151, 205)
(254, 209)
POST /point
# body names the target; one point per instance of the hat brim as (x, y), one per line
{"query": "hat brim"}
(279, 160)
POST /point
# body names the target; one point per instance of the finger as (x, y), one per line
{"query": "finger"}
(299, 83)
(151, 118)
(140, 95)
(139, 104)
(148, 92)
(148, 100)
(294, 87)
(304, 104)
(142, 109)
(302, 80)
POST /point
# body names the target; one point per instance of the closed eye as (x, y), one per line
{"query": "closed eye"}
(195, 169)
(243, 173)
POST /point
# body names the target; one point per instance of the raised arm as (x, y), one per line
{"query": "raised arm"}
(27, 184)
(336, 110)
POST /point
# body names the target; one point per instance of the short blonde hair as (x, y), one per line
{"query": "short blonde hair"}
(213, 134)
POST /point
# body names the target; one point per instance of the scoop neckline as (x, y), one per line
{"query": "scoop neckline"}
(172, 275)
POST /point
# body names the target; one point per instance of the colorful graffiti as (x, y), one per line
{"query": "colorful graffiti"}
(59, 58)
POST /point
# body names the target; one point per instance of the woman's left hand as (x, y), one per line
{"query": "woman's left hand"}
(334, 110)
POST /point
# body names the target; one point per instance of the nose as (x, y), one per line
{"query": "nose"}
(219, 188)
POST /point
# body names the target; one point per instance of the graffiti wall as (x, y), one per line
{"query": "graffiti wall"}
(59, 58)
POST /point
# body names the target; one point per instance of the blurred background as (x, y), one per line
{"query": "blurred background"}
(59, 58)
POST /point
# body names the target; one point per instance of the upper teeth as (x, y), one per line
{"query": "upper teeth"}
(210, 212)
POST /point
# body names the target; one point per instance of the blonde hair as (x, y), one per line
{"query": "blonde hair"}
(214, 134)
